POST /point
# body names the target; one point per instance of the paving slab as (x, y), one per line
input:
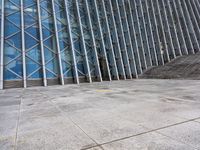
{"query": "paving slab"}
(7, 143)
(51, 133)
(8, 124)
(187, 133)
(150, 141)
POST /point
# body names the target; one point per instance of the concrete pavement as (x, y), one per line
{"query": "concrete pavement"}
(120, 115)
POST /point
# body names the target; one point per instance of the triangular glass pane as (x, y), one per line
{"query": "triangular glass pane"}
(33, 30)
(8, 75)
(37, 74)
(48, 54)
(15, 40)
(10, 7)
(35, 54)
(16, 66)
(29, 2)
(51, 43)
(31, 66)
(10, 53)
(29, 41)
(15, 18)
(10, 28)
(50, 75)
(16, 2)
(31, 11)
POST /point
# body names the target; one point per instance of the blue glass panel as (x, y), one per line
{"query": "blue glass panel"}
(14, 66)
(37, 75)
(10, 53)
(15, 18)
(31, 66)
(29, 42)
(16, 40)
(10, 29)
(28, 2)
(34, 54)
(34, 31)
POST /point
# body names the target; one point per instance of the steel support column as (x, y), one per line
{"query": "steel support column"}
(183, 39)
(119, 37)
(162, 34)
(174, 34)
(101, 38)
(108, 35)
(57, 44)
(83, 42)
(143, 29)
(138, 33)
(156, 33)
(149, 31)
(23, 44)
(2, 45)
(41, 44)
(196, 12)
(194, 22)
(181, 15)
(75, 70)
(93, 41)
(127, 36)
(133, 36)
(166, 27)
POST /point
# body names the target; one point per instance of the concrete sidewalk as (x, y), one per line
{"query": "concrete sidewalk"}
(124, 115)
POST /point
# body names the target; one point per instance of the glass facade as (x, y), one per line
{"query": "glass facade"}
(45, 42)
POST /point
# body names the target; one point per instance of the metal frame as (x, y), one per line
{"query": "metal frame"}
(138, 32)
(163, 36)
(2, 45)
(101, 38)
(184, 45)
(143, 32)
(156, 34)
(57, 43)
(198, 5)
(114, 65)
(83, 42)
(23, 44)
(196, 11)
(174, 32)
(122, 46)
(189, 43)
(127, 36)
(71, 43)
(166, 27)
(93, 41)
(190, 28)
(149, 32)
(196, 27)
(133, 36)
(41, 44)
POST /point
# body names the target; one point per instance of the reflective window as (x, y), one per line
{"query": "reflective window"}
(12, 45)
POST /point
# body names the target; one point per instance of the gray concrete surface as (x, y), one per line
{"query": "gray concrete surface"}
(125, 115)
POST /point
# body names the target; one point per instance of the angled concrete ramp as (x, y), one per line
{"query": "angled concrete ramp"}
(184, 67)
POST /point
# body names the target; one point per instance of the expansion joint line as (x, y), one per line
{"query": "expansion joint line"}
(143, 133)
(18, 120)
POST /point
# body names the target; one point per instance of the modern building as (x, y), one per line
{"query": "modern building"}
(48, 42)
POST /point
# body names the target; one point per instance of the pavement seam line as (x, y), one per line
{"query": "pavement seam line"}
(56, 106)
(150, 131)
(18, 119)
